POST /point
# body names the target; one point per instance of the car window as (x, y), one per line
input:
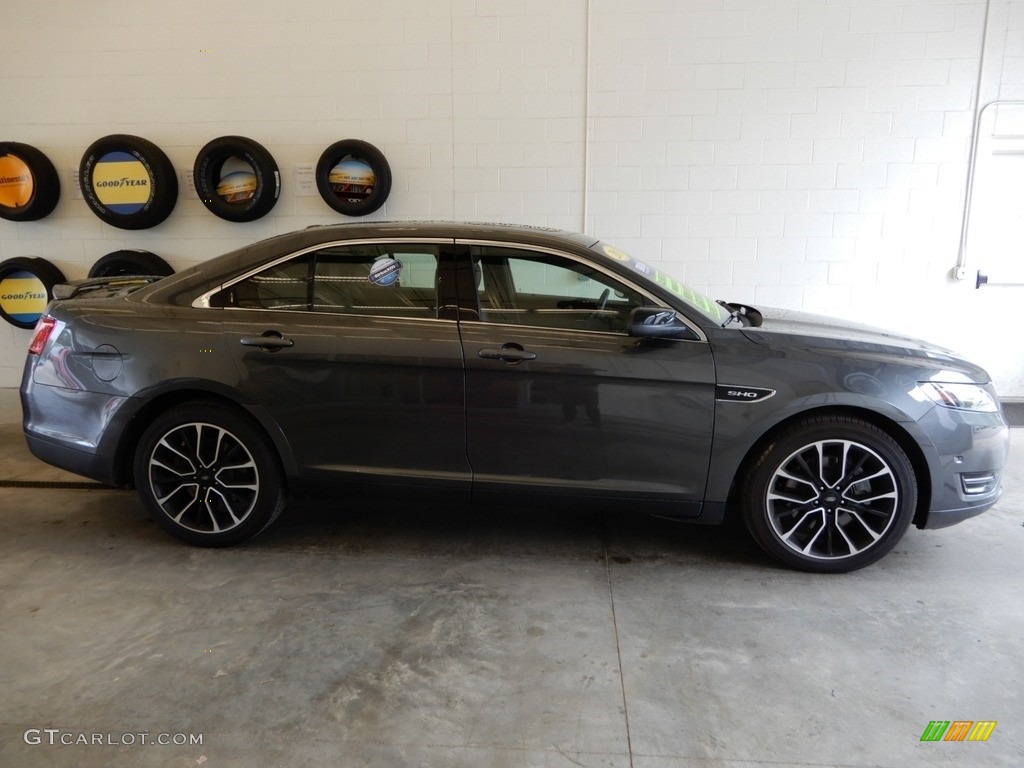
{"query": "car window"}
(370, 279)
(523, 287)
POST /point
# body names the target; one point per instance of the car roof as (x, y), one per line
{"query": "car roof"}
(179, 288)
(455, 229)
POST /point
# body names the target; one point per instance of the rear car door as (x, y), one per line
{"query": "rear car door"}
(343, 346)
(561, 400)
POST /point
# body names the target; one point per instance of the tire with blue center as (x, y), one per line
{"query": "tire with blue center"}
(128, 182)
(26, 287)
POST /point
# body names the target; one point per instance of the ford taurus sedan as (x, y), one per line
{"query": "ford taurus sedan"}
(495, 362)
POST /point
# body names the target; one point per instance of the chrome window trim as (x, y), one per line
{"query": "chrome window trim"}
(203, 300)
(655, 301)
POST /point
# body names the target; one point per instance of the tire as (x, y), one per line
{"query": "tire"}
(250, 186)
(130, 262)
(830, 495)
(26, 287)
(202, 450)
(353, 177)
(128, 182)
(29, 184)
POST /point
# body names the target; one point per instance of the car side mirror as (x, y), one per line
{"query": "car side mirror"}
(657, 323)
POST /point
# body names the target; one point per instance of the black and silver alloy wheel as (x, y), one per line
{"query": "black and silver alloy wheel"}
(208, 475)
(831, 495)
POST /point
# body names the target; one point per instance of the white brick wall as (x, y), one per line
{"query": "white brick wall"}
(810, 153)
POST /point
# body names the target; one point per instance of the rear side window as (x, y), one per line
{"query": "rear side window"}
(373, 279)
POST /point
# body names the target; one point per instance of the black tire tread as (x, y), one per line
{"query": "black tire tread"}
(803, 430)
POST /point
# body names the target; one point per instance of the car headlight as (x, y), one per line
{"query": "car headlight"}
(963, 397)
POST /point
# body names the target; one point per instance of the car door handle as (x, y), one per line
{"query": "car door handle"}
(266, 342)
(510, 353)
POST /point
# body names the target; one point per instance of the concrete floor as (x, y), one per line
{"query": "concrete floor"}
(371, 636)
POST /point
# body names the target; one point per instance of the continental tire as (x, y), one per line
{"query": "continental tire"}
(208, 475)
(26, 287)
(830, 494)
(29, 184)
(128, 182)
(353, 177)
(130, 262)
(236, 178)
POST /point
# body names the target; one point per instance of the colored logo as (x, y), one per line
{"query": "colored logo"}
(122, 183)
(385, 272)
(352, 179)
(23, 296)
(958, 730)
(16, 185)
(237, 187)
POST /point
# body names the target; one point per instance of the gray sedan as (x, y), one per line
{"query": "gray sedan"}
(482, 362)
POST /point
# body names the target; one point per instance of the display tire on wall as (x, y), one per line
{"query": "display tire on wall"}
(26, 287)
(128, 182)
(353, 177)
(130, 262)
(830, 494)
(208, 475)
(29, 184)
(236, 178)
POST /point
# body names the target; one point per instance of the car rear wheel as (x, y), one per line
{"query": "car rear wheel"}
(830, 495)
(208, 475)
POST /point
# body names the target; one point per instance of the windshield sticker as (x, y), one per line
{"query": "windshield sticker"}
(385, 271)
(614, 253)
(687, 294)
(639, 266)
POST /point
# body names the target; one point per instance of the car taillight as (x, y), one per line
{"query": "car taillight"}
(44, 328)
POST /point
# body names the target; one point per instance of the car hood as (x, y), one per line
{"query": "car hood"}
(803, 329)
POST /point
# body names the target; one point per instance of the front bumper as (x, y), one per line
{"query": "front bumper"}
(970, 450)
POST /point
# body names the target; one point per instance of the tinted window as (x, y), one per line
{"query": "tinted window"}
(527, 288)
(377, 279)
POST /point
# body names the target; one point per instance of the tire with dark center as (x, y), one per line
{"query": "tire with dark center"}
(29, 184)
(830, 494)
(353, 177)
(128, 182)
(130, 262)
(236, 178)
(26, 287)
(208, 475)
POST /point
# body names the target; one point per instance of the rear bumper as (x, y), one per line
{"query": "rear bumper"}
(63, 456)
(74, 430)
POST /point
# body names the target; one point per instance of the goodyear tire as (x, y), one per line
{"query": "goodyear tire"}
(236, 178)
(128, 182)
(353, 177)
(130, 262)
(29, 184)
(26, 287)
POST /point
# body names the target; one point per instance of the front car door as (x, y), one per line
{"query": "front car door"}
(561, 400)
(343, 346)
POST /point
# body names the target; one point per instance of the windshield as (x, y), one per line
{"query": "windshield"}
(695, 299)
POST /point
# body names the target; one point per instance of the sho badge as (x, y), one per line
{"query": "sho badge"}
(733, 394)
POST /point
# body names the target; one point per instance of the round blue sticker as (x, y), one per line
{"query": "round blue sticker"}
(385, 271)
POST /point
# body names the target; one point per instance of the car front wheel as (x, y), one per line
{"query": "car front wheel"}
(208, 475)
(830, 495)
